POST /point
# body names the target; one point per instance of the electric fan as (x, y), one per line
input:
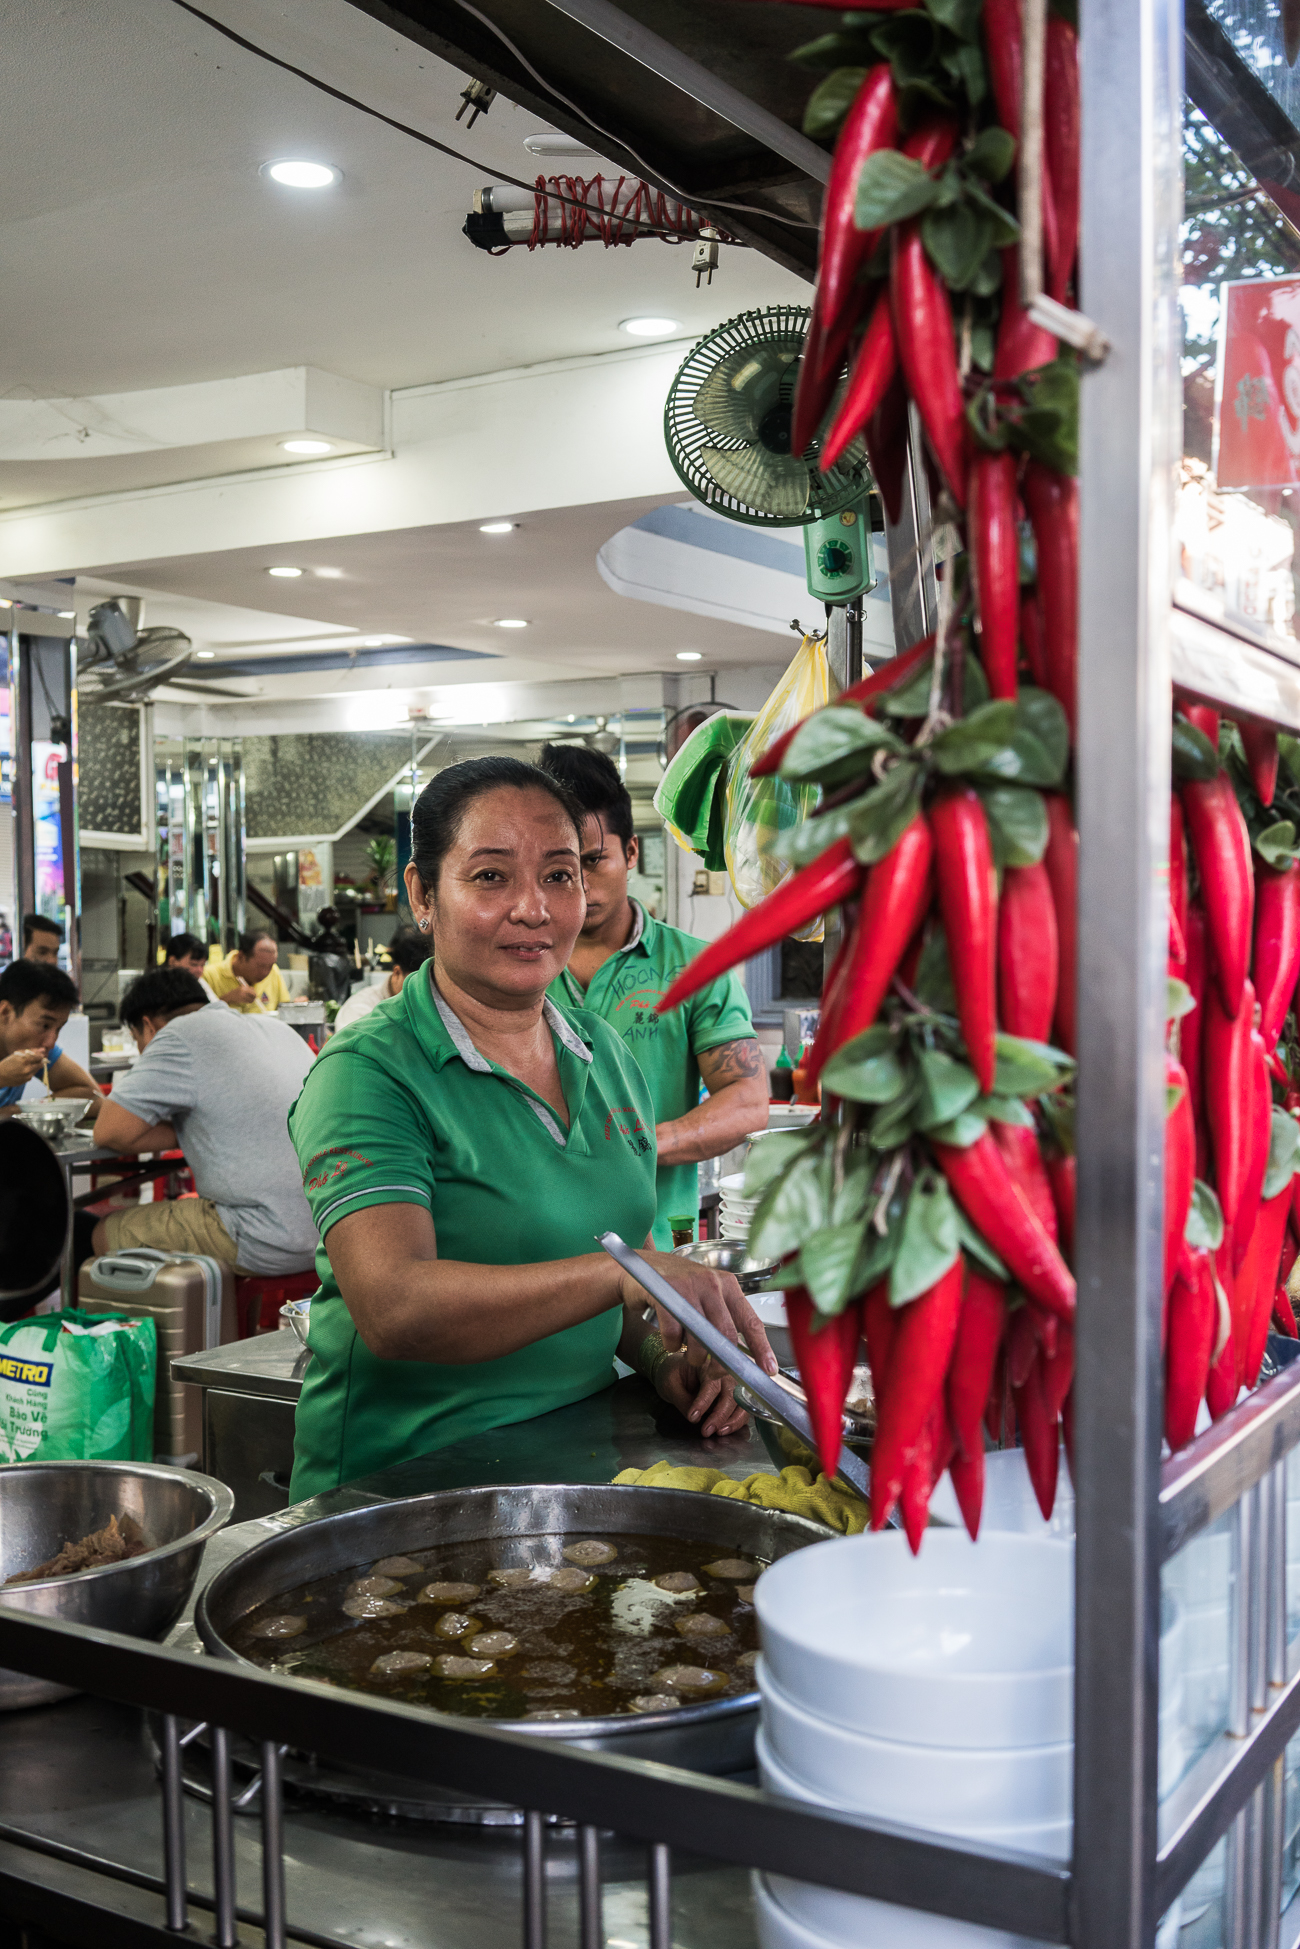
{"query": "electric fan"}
(727, 428)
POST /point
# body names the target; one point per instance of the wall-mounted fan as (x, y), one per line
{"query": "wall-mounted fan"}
(120, 663)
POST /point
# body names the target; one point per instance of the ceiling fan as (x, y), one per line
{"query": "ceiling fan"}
(120, 663)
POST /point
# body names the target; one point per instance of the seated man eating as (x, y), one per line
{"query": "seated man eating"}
(36, 999)
(218, 1086)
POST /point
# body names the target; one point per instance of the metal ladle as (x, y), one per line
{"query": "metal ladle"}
(737, 1363)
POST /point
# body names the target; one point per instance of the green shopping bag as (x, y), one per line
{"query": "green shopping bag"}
(77, 1387)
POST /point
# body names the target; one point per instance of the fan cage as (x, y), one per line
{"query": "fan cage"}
(842, 487)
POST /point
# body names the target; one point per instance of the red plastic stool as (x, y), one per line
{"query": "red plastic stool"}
(264, 1295)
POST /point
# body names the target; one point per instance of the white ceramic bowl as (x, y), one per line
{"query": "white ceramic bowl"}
(795, 1915)
(1009, 1502)
(963, 1646)
(953, 1789)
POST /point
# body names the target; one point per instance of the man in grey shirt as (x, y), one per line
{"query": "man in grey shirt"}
(218, 1086)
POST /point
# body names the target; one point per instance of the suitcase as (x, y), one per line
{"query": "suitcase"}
(191, 1300)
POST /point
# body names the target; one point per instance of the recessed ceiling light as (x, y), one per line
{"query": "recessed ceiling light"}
(289, 573)
(67, 615)
(205, 654)
(511, 622)
(307, 446)
(496, 527)
(649, 327)
(296, 173)
(689, 656)
(329, 574)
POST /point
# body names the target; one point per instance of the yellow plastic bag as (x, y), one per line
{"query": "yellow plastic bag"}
(758, 809)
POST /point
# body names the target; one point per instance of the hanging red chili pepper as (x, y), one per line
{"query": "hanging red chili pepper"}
(1193, 1322)
(1180, 1166)
(1290, 1251)
(995, 555)
(1230, 1095)
(1259, 1131)
(1191, 1030)
(1062, 862)
(1270, 1229)
(874, 364)
(1259, 741)
(1022, 1345)
(928, 1460)
(886, 436)
(999, 1209)
(968, 903)
(871, 124)
(923, 327)
(923, 1340)
(1031, 636)
(1052, 501)
(1062, 129)
(1276, 965)
(1038, 1437)
(814, 890)
(1028, 953)
(1221, 1388)
(1000, 1409)
(1063, 1177)
(878, 1321)
(826, 1352)
(1284, 1314)
(980, 1329)
(1221, 846)
(1204, 718)
(894, 900)
(1022, 345)
(1178, 894)
(898, 669)
(828, 1037)
(1058, 1371)
(1024, 1160)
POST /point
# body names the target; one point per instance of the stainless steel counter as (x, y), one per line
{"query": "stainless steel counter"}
(78, 1777)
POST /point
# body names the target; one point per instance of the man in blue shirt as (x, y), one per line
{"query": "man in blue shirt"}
(36, 1000)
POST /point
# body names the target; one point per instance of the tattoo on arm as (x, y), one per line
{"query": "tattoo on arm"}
(731, 1062)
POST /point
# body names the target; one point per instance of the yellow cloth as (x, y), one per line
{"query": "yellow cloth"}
(270, 991)
(794, 1490)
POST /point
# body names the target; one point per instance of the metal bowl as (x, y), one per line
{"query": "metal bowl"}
(296, 1313)
(724, 1255)
(46, 1504)
(716, 1736)
(785, 1448)
(53, 1117)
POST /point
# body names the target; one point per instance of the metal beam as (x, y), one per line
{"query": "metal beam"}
(1228, 1459)
(671, 65)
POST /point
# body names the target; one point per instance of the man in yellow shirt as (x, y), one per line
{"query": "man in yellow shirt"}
(248, 979)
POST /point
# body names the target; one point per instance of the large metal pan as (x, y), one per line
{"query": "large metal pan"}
(714, 1737)
(46, 1504)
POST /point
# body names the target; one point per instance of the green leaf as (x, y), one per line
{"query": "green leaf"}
(879, 1248)
(1003, 227)
(1283, 1152)
(1025, 1068)
(991, 154)
(948, 1088)
(836, 745)
(986, 282)
(1288, 749)
(1004, 1109)
(827, 1262)
(830, 101)
(910, 699)
(800, 845)
(930, 1241)
(775, 1154)
(791, 1211)
(976, 1246)
(1205, 1218)
(880, 816)
(934, 983)
(1179, 999)
(834, 51)
(1194, 757)
(960, 17)
(976, 740)
(963, 1131)
(893, 1122)
(966, 65)
(872, 1074)
(1040, 713)
(1276, 844)
(1017, 821)
(983, 343)
(1048, 428)
(957, 241)
(892, 186)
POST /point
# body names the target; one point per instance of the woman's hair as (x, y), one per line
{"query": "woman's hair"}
(441, 806)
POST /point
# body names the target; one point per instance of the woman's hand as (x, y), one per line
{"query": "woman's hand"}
(705, 1395)
(715, 1294)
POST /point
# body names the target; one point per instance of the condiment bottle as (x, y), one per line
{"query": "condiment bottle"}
(683, 1230)
(803, 1093)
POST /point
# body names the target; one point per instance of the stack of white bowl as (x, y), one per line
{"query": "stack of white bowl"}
(935, 1692)
(735, 1210)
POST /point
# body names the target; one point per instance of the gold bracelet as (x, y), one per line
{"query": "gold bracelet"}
(650, 1356)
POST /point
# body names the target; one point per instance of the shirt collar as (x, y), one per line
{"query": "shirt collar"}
(469, 1055)
(640, 922)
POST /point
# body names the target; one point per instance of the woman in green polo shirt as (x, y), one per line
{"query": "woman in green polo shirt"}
(462, 1146)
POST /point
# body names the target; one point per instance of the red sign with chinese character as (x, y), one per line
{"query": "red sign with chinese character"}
(1258, 426)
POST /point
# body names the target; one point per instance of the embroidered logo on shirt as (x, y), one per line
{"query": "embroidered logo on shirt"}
(332, 1171)
(629, 1125)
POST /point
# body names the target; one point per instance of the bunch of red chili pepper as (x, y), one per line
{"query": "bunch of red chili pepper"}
(935, 1216)
(1232, 1200)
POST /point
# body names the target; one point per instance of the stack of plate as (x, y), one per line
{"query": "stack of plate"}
(936, 1692)
(735, 1210)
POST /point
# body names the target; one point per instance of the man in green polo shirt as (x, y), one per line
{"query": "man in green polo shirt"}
(621, 964)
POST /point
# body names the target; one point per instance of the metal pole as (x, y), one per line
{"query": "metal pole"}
(534, 1881)
(660, 1888)
(910, 550)
(1273, 1833)
(1239, 1632)
(592, 1928)
(1130, 429)
(223, 1842)
(272, 1846)
(1277, 1580)
(173, 1824)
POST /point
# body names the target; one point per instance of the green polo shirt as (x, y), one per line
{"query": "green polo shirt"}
(402, 1109)
(623, 992)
